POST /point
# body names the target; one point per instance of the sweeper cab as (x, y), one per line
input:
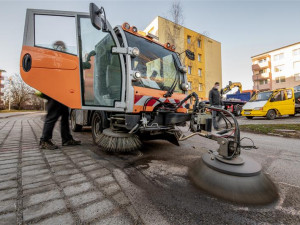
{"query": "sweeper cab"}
(130, 88)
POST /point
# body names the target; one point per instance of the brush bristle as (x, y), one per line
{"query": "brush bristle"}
(128, 143)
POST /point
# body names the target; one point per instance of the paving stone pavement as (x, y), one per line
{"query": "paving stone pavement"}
(64, 186)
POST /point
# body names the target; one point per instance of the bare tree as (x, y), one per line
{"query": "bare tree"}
(18, 92)
(172, 31)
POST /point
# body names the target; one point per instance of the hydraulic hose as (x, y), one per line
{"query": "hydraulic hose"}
(187, 98)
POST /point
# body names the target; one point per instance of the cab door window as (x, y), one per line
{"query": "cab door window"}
(55, 33)
(101, 74)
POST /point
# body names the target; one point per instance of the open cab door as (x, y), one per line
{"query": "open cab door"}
(66, 58)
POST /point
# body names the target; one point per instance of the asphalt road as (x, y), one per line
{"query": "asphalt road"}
(160, 172)
(156, 183)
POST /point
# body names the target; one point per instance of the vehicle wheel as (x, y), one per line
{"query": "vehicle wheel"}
(271, 115)
(237, 110)
(96, 126)
(249, 117)
(75, 127)
(292, 115)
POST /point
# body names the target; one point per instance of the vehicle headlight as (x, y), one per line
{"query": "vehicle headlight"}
(137, 75)
(184, 86)
(135, 52)
(258, 108)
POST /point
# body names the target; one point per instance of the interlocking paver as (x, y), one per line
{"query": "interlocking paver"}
(105, 180)
(65, 219)
(121, 198)
(78, 188)
(85, 197)
(91, 167)
(8, 170)
(8, 184)
(41, 210)
(5, 177)
(7, 194)
(99, 173)
(8, 161)
(111, 188)
(9, 218)
(35, 172)
(96, 210)
(7, 205)
(53, 180)
(34, 179)
(41, 197)
(66, 172)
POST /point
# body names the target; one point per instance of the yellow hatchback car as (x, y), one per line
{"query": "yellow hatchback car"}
(270, 104)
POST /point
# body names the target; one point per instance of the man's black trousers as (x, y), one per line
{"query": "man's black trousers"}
(54, 111)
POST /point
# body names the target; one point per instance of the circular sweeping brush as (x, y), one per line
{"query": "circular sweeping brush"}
(242, 183)
(110, 141)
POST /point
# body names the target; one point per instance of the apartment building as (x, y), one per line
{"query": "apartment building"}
(279, 68)
(206, 69)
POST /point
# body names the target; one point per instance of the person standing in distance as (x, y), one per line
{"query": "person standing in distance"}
(215, 101)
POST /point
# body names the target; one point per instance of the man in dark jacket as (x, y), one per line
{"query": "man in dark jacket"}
(216, 101)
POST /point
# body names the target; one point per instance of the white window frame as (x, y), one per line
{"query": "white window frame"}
(189, 70)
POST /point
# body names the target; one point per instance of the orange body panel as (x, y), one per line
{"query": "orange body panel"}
(55, 74)
(140, 91)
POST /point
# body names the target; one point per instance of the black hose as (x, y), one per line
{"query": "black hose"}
(187, 98)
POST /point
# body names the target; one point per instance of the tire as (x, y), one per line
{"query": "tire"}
(271, 115)
(249, 117)
(237, 110)
(292, 115)
(75, 127)
(97, 127)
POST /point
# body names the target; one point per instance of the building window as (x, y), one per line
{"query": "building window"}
(262, 60)
(297, 77)
(297, 66)
(189, 39)
(199, 43)
(200, 88)
(278, 68)
(278, 57)
(190, 85)
(199, 57)
(296, 51)
(280, 79)
(262, 71)
(189, 70)
(200, 72)
(261, 82)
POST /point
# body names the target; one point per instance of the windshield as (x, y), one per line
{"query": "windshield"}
(155, 63)
(262, 96)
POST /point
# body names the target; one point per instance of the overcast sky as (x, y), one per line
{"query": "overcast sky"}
(244, 28)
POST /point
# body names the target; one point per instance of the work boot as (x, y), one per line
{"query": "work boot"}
(48, 145)
(71, 142)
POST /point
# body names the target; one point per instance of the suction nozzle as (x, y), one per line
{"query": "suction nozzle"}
(239, 180)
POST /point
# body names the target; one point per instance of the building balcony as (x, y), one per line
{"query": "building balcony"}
(260, 66)
(261, 76)
(262, 87)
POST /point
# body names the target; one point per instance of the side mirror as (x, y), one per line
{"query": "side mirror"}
(272, 99)
(190, 54)
(95, 15)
